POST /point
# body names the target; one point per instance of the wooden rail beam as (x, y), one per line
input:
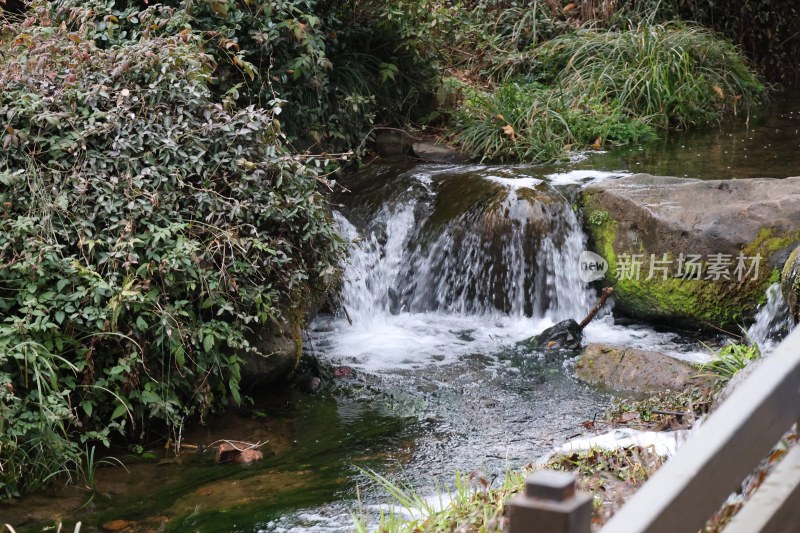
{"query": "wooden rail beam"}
(690, 487)
(775, 506)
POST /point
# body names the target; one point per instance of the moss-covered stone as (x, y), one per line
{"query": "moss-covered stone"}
(673, 299)
(677, 300)
(790, 283)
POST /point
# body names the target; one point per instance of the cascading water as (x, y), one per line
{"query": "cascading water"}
(501, 266)
(425, 277)
(447, 261)
(773, 321)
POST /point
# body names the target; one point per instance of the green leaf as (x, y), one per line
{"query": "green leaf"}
(88, 407)
(234, 387)
(208, 342)
(60, 316)
(180, 356)
(150, 397)
(120, 410)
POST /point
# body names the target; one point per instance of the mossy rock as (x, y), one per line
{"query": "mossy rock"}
(790, 283)
(664, 217)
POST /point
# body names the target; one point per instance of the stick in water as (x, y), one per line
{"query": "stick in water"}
(608, 291)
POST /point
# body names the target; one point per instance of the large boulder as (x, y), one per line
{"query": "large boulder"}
(280, 346)
(631, 369)
(790, 283)
(670, 219)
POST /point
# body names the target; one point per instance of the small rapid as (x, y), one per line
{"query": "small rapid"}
(460, 260)
(773, 321)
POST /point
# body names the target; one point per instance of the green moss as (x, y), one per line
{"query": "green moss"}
(769, 241)
(790, 282)
(682, 301)
(599, 217)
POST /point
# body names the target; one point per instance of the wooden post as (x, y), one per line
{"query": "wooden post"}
(551, 504)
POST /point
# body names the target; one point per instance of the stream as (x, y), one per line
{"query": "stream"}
(450, 266)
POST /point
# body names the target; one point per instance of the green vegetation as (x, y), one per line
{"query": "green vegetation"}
(767, 30)
(729, 361)
(593, 86)
(164, 171)
(147, 230)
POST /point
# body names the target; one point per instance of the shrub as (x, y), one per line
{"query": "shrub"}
(145, 231)
(337, 67)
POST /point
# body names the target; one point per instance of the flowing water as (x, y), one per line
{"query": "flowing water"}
(772, 322)
(449, 268)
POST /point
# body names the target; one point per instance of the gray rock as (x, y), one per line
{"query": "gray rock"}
(438, 153)
(651, 215)
(566, 335)
(393, 143)
(631, 369)
(790, 283)
(280, 354)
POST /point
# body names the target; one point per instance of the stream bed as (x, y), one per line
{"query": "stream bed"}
(450, 267)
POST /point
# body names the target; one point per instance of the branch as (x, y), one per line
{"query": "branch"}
(608, 291)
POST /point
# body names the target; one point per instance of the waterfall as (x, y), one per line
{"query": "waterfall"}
(773, 321)
(514, 255)
(446, 262)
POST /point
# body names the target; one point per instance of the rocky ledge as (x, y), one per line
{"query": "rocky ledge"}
(692, 252)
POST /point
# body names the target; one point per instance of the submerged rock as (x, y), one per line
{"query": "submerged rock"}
(237, 452)
(566, 335)
(630, 369)
(790, 283)
(438, 153)
(652, 230)
(392, 143)
(118, 525)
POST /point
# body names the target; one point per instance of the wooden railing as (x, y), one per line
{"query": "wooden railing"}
(691, 486)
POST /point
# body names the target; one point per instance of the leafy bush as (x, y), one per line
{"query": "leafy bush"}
(337, 68)
(146, 230)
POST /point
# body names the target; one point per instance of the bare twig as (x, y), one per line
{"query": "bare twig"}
(608, 291)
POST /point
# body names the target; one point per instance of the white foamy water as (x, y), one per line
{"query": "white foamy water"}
(582, 177)
(487, 281)
(773, 321)
(516, 183)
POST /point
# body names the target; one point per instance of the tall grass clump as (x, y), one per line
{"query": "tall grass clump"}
(671, 75)
(592, 87)
(531, 122)
(729, 361)
(473, 503)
